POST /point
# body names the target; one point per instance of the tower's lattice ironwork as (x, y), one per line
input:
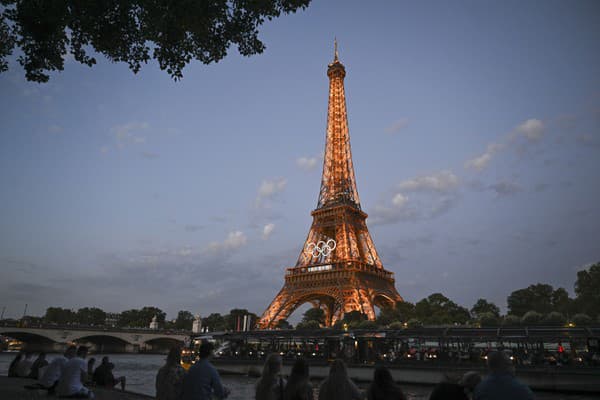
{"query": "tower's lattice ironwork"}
(338, 269)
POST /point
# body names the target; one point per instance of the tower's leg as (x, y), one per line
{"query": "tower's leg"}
(367, 304)
(276, 310)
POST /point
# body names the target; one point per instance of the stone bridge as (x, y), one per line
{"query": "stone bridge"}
(109, 340)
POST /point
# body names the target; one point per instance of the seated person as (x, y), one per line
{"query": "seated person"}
(51, 375)
(24, 366)
(38, 364)
(12, 369)
(73, 376)
(103, 375)
(90, 371)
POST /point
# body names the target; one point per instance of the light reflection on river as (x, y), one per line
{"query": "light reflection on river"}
(141, 369)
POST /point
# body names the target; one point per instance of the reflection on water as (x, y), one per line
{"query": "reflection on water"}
(141, 369)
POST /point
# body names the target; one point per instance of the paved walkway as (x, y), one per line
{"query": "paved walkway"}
(12, 389)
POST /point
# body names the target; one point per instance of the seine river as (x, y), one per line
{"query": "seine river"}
(141, 369)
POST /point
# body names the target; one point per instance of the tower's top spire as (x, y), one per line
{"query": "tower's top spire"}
(335, 57)
(338, 184)
(336, 66)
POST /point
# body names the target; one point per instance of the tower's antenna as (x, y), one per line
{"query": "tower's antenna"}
(335, 58)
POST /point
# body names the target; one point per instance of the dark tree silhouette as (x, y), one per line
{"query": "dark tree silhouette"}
(483, 306)
(91, 316)
(184, 321)
(314, 314)
(438, 309)
(141, 318)
(587, 290)
(59, 315)
(214, 322)
(132, 31)
(533, 298)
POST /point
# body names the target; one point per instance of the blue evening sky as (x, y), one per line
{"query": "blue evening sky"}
(475, 130)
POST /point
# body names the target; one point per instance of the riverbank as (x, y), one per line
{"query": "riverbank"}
(13, 389)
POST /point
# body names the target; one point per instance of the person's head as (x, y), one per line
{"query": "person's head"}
(338, 371)
(42, 356)
(105, 360)
(469, 380)
(91, 362)
(299, 369)
(269, 374)
(298, 377)
(499, 362)
(382, 377)
(82, 351)
(174, 356)
(70, 352)
(206, 349)
(272, 365)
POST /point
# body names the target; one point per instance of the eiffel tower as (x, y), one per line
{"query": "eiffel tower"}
(338, 269)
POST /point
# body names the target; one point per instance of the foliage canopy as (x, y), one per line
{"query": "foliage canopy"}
(132, 31)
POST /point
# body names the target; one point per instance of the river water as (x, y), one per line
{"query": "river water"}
(141, 369)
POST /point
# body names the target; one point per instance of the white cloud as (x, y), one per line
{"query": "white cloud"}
(399, 200)
(532, 129)
(234, 241)
(434, 195)
(268, 230)
(269, 189)
(307, 163)
(480, 163)
(397, 126)
(128, 133)
(442, 181)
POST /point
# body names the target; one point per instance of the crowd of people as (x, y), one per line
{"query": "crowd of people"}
(71, 376)
(68, 375)
(202, 382)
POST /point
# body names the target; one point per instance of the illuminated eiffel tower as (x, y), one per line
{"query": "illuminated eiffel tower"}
(338, 269)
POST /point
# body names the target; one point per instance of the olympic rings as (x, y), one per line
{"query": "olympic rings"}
(321, 248)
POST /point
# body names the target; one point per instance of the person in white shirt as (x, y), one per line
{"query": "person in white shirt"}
(49, 379)
(74, 374)
(24, 366)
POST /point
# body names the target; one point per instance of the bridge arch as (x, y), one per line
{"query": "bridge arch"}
(104, 343)
(56, 339)
(27, 336)
(33, 341)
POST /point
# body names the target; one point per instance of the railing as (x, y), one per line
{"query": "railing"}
(349, 266)
(36, 325)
